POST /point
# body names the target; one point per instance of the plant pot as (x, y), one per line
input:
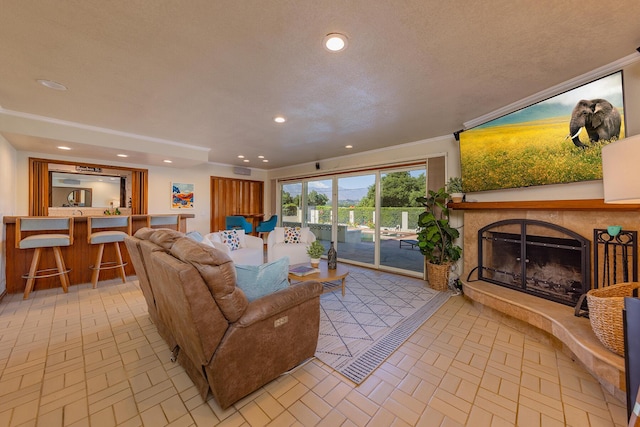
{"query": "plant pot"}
(456, 197)
(438, 276)
(315, 262)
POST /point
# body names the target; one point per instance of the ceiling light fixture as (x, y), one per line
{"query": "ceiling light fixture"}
(122, 155)
(279, 119)
(168, 161)
(335, 42)
(246, 160)
(240, 156)
(348, 146)
(261, 157)
(265, 161)
(51, 84)
(62, 147)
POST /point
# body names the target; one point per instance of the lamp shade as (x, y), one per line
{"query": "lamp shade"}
(621, 170)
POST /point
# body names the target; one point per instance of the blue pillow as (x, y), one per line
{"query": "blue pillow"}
(195, 236)
(259, 280)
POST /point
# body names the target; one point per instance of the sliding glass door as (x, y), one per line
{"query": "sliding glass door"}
(356, 226)
(370, 216)
(319, 209)
(399, 218)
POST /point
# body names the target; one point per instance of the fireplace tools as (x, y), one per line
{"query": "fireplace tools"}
(612, 254)
(614, 251)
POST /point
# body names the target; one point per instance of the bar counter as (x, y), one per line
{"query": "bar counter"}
(78, 257)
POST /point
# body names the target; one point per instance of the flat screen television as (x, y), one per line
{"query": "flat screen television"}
(554, 141)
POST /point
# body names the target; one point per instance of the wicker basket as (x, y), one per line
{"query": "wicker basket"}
(438, 276)
(605, 314)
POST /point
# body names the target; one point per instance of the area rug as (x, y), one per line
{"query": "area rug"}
(378, 313)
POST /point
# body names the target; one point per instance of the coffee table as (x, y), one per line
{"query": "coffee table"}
(325, 275)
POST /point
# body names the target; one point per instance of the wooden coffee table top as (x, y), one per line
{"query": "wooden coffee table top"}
(325, 275)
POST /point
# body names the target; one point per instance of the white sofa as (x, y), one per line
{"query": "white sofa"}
(250, 252)
(297, 252)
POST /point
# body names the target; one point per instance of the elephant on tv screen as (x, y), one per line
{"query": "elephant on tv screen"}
(600, 119)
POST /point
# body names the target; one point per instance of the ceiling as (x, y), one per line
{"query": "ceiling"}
(202, 80)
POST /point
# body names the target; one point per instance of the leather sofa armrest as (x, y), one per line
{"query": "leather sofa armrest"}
(277, 302)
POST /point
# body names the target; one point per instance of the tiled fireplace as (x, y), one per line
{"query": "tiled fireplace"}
(544, 318)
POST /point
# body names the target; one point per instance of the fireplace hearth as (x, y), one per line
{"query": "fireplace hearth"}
(535, 257)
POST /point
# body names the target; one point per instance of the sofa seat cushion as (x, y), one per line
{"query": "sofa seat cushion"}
(259, 280)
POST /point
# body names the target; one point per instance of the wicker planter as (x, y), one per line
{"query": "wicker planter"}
(605, 314)
(438, 276)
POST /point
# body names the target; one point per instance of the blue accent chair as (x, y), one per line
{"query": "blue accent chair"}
(268, 225)
(238, 222)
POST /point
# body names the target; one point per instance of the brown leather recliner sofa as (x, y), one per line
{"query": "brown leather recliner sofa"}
(226, 344)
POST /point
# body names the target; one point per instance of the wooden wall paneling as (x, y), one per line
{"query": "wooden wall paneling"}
(231, 196)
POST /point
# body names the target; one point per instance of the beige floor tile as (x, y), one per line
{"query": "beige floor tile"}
(93, 358)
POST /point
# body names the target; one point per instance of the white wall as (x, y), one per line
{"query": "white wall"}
(8, 178)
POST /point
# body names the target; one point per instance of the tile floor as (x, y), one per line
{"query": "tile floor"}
(93, 358)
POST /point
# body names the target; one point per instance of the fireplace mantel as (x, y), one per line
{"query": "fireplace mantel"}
(564, 205)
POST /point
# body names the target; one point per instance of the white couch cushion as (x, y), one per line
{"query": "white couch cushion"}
(250, 252)
(297, 252)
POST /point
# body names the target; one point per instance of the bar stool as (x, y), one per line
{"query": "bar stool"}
(106, 235)
(164, 221)
(45, 240)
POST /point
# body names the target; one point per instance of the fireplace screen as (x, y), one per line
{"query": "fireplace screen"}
(535, 257)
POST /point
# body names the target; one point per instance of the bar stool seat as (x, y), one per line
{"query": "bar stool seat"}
(171, 221)
(42, 241)
(105, 236)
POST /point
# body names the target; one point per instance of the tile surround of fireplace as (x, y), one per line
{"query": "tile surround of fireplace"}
(557, 321)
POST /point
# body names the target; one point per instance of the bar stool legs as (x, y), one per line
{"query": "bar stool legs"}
(99, 265)
(33, 271)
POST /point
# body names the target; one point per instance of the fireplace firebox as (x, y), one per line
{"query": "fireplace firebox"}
(535, 257)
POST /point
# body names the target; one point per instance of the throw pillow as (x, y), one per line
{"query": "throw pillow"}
(292, 235)
(259, 280)
(231, 239)
(195, 236)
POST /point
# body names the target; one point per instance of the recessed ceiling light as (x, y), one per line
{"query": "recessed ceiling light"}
(240, 156)
(167, 161)
(62, 147)
(123, 155)
(266, 161)
(348, 146)
(335, 42)
(261, 157)
(279, 119)
(51, 84)
(246, 160)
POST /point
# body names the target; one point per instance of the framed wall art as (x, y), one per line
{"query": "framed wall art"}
(181, 196)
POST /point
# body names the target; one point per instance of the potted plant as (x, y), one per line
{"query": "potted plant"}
(454, 188)
(436, 238)
(315, 251)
